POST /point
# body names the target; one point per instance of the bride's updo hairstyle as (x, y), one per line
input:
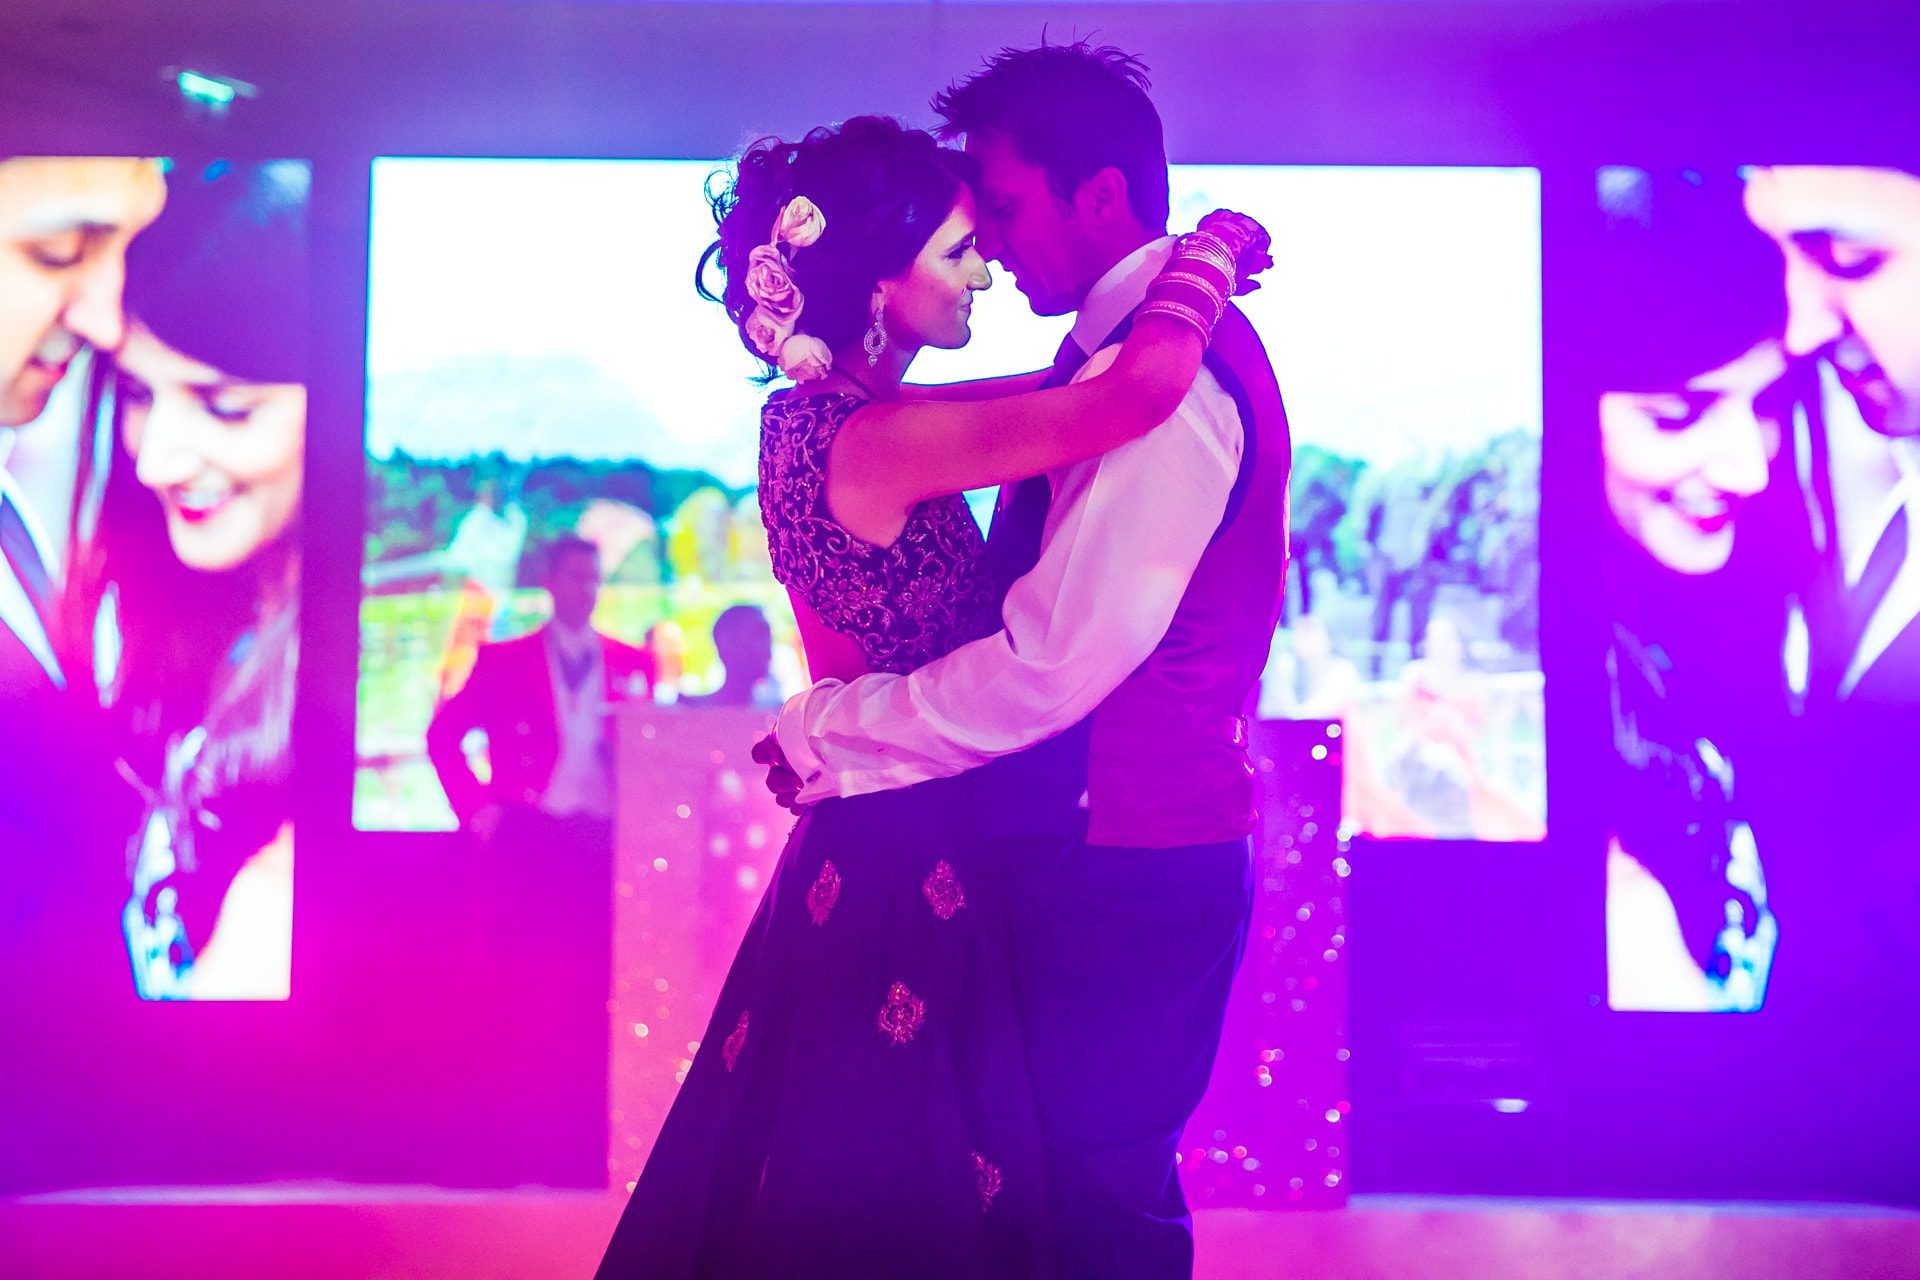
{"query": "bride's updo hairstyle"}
(883, 190)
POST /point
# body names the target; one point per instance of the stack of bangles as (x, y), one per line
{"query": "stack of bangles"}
(1196, 284)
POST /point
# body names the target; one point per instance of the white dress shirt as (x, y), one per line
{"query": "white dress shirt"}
(580, 782)
(39, 470)
(1122, 537)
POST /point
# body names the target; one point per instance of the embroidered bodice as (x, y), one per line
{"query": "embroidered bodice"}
(905, 604)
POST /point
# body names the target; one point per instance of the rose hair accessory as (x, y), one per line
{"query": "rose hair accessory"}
(778, 300)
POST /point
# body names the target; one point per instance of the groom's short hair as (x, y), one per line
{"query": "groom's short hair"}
(1073, 110)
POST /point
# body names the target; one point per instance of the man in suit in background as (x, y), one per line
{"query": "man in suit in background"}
(544, 820)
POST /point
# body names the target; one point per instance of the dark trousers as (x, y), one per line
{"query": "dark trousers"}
(1124, 959)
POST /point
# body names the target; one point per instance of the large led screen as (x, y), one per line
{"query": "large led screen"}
(540, 370)
(1755, 367)
(153, 358)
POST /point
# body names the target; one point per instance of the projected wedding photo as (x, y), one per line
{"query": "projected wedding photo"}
(150, 518)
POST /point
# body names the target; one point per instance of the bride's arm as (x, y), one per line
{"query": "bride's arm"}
(890, 456)
(1011, 384)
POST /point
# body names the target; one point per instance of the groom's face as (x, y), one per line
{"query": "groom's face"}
(64, 227)
(1851, 240)
(1028, 228)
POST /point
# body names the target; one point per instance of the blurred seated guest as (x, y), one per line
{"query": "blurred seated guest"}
(194, 573)
(744, 640)
(1310, 681)
(1443, 706)
(1695, 577)
(667, 646)
(543, 700)
(484, 553)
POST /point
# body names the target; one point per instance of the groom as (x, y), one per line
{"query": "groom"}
(1141, 592)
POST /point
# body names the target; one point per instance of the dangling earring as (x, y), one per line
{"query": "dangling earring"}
(876, 340)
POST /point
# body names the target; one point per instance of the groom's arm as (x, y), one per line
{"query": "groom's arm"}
(1123, 535)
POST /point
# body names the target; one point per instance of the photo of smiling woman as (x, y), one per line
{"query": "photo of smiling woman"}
(1687, 318)
(196, 565)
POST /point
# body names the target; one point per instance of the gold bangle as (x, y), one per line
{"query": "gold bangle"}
(1210, 256)
(1180, 311)
(1193, 278)
(1208, 245)
(1204, 301)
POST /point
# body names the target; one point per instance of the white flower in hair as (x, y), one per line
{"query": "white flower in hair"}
(804, 358)
(766, 333)
(800, 223)
(771, 285)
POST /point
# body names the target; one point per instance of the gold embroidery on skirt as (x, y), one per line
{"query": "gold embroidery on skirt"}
(987, 1176)
(903, 1014)
(825, 892)
(943, 891)
(730, 1051)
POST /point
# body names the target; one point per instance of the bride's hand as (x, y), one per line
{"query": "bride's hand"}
(781, 778)
(1247, 240)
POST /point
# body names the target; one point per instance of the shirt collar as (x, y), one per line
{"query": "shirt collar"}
(1118, 292)
(570, 640)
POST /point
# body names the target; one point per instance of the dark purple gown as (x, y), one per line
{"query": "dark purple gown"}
(860, 1104)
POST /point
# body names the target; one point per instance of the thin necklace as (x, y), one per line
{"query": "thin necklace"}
(856, 382)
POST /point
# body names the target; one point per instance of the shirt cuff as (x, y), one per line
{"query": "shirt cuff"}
(869, 770)
(790, 731)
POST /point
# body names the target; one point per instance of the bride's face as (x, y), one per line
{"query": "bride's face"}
(1679, 465)
(930, 304)
(223, 455)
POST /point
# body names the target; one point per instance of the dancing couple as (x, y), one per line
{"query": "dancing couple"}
(984, 990)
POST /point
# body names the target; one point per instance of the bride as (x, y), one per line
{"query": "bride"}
(859, 1104)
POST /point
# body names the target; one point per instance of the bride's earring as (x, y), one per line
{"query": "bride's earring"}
(875, 342)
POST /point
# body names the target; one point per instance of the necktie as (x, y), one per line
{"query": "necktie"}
(1883, 565)
(16, 544)
(575, 667)
(1013, 543)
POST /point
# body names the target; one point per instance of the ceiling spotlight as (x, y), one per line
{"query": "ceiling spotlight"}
(210, 93)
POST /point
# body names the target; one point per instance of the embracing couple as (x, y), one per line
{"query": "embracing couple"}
(985, 987)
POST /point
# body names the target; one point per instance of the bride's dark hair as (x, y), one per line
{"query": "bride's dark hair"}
(883, 188)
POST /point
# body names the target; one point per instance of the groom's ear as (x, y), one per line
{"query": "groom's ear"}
(1102, 199)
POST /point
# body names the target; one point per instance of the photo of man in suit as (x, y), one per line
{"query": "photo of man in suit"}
(1850, 240)
(65, 224)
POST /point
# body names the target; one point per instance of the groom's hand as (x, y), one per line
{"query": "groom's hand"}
(781, 779)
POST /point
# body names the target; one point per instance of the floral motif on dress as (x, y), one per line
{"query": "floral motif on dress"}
(730, 1051)
(901, 1016)
(825, 892)
(943, 891)
(986, 1176)
(904, 604)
